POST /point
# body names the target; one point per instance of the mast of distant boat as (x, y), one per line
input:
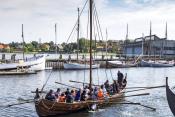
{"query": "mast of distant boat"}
(143, 44)
(23, 41)
(125, 44)
(56, 38)
(78, 32)
(150, 39)
(106, 43)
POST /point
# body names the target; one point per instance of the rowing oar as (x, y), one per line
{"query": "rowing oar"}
(67, 85)
(141, 94)
(21, 99)
(121, 103)
(121, 97)
(10, 105)
(82, 82)
(145, 88)
(153, 109)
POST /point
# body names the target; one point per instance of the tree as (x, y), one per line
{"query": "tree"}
(45, 47)
(30, 47)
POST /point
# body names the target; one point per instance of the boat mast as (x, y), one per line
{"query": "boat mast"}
(143, 38)
(56, 38)
(23, 41)
(150, 39)
(106, 43)
(127, 31)
(166, 31)
(166, 37)
(78, 32)
(125, 43)
(90, 5)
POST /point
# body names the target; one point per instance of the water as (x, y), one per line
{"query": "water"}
(15, 87)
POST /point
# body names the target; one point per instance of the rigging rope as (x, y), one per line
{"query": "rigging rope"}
(77, 21)
(46, 81)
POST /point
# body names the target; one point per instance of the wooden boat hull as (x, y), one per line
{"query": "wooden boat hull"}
(108, 101)
(170, 98)
(50, 108)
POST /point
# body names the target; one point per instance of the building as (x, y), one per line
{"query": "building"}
(149, 45)
(4, 48)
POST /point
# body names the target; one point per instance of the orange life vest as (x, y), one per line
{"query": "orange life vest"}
(100, 94)
(62, 99)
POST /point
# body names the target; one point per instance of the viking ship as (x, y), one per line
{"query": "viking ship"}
(52, 108)
(45, 107)
(170, 97)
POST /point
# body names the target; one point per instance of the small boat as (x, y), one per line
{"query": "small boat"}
(35, 63)
(170, 98)
(79, 66)
(52, 108)
(150, 63)
(120, 64)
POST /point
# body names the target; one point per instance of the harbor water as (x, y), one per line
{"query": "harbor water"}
(13, 88)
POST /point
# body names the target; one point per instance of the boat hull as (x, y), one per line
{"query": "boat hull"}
(34, 63)
(170, 98)
(117, 64)
(154, 64)
(50, 108)
(78, 66)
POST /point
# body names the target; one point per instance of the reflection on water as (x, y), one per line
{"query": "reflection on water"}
(14, 87)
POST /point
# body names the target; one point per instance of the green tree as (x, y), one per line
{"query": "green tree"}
(45, 47)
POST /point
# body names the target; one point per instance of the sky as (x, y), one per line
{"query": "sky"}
(40, 16)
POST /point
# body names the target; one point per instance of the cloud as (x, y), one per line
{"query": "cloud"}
(40, 16)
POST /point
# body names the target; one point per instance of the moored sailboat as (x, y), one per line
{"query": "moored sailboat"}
(79, 65)
(35, 63)
(155, 64)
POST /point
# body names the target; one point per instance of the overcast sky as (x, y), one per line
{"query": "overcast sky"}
(39, 17)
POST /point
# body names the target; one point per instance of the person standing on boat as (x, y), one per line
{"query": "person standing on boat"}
(120, 78)
(124, 81)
